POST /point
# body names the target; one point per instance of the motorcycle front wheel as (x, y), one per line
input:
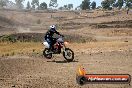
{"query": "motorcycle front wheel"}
(68, 54)
(47, 54)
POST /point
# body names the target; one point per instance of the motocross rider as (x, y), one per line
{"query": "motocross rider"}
(49, 36)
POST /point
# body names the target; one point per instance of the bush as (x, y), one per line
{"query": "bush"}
(39, 37)
(7, 54)
(13, 53)
(7, 38)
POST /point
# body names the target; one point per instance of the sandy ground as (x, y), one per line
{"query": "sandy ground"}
(30, 72)
(110, 54)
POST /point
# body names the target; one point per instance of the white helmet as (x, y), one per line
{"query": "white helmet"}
(52, 26)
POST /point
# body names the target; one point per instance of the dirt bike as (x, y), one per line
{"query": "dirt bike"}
(58, 48)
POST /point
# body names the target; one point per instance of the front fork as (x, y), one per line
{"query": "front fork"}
(64, 47)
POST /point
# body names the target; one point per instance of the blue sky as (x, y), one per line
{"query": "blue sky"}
(64, 2)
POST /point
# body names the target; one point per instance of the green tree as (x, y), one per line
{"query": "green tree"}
(70, 6)
(105, 4)
(43, 6)
(65, 7)
(120, 3)
(3, 3)
(128, 3)
(115, 4)
(93, 5)
(19, 4)
(78, 7)
(28, 5)
(53, 3)
(35, 4)
(85, 4)
(60, 8)
(112, 2)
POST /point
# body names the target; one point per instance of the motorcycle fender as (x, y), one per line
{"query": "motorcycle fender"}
(46, 44)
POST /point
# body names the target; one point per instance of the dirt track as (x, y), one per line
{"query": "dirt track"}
(111, 52)
(27, 72)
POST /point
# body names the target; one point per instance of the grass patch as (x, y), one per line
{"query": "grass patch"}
(10, 49)
(35, 48)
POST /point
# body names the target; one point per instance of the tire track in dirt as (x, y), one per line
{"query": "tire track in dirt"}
(40, 73)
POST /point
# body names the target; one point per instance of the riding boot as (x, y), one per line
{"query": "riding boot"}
(50, 50)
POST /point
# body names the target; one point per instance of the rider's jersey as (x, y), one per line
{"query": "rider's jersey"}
(50, 33)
